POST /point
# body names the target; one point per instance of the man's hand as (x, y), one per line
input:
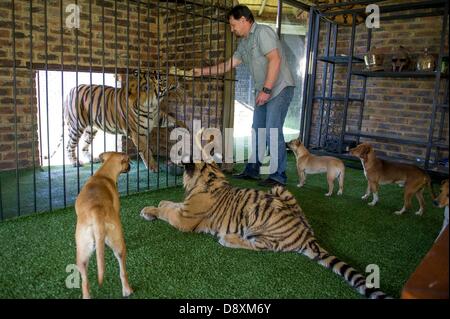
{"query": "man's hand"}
(262, 98)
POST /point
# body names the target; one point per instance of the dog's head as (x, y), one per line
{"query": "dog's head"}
(122, 160)
(442, 200)
(297, 146)
(362, 151)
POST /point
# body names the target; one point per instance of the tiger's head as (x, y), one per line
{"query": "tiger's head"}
(149, 87)
(203, 173)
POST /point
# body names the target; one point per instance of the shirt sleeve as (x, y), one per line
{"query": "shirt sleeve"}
(268, 40)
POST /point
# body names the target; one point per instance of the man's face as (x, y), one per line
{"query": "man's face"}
(239, 27)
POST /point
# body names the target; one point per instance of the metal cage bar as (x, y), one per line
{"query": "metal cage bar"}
(324, 83)
(73, 59)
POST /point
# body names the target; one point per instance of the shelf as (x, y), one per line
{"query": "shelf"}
(393, 138)
(441, 144)
(443, 170)
(407, 74)
(339, 59)
(337, 99)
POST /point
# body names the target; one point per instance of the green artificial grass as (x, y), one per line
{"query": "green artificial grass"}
(62, 183)
(166, 263)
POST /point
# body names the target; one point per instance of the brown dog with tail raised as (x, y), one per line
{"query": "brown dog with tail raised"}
(379, 172)
(98, 220)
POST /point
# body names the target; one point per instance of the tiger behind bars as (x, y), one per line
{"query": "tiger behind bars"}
(109, 113)
(250, 219)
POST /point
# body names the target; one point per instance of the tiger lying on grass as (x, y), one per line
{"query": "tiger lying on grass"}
(249, 218)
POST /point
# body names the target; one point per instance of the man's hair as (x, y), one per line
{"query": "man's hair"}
(240, 11)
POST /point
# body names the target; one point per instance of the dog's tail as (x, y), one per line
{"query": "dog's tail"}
(99, 236)
(341, 178)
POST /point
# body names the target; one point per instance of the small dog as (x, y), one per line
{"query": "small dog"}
(442, 201)
(98, 220)
(380, 172)
(311, 164)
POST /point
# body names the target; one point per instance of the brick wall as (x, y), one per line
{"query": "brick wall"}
(399, 106)
(166, 34)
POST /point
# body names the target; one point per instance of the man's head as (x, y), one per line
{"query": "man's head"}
(241, 20)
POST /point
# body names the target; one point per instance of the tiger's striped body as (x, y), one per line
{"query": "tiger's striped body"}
(250, 219)
(115, 110)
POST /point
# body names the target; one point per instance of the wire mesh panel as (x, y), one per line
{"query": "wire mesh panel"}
(78, 78)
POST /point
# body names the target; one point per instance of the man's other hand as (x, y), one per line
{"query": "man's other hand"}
(262, 98)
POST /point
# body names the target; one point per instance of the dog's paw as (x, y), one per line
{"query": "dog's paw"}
(340, 192)
(300, 185)
(365, 196)
(148, 213)
(328, 194)
(419, 212)
(126, 292)
(372, 203)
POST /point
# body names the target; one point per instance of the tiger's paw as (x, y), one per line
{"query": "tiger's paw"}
(165, 203)
(149, 213)
(153, 167)
(77, 164)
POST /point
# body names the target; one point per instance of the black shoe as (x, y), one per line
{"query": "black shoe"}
(270, 183)
(244, 175)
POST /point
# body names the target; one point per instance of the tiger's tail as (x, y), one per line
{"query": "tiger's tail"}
(341, 268)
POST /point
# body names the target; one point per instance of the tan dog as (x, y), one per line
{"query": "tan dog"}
(98, 220)
(311, 164)
(442, 201)
(380, 172)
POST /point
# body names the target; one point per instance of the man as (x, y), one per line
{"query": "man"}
(261, 50)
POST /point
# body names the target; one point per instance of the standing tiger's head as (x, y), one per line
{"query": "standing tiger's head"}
(148, 86)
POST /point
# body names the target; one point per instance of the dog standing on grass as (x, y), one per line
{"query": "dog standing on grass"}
(311, 164)
(380, 172)
(98, 220)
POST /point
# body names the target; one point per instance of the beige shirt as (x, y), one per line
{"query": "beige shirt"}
(252, 51)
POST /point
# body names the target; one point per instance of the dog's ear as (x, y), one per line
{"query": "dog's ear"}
(366, 149)
(104, 156)
(125, 158)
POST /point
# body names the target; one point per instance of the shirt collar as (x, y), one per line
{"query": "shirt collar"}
(252, 29)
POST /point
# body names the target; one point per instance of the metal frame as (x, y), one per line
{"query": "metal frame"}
(43, 178)
(441, 9)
